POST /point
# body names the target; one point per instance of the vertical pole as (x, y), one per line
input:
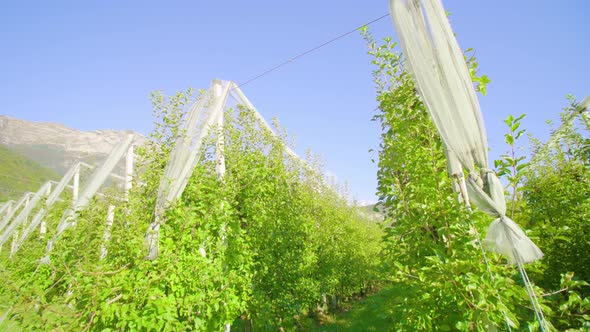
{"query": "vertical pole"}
(6, 208)
(219, 145)
(129, 171)
(220, 158)
(76, 185)
(107, 232)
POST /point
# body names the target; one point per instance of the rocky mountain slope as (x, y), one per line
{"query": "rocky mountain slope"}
(57, 146)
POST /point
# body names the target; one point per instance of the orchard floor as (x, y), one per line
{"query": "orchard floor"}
(368, 314)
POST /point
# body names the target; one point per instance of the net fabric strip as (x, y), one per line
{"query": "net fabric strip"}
(185, 156)
(443, 81)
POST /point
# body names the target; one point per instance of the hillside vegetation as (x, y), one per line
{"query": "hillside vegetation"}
(19, 174)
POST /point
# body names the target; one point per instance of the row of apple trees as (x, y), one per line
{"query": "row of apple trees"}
(433, 253)
(258, 249)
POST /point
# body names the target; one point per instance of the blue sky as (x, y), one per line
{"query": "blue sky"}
(91, 65)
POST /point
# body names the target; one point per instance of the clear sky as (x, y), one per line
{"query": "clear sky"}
(92, 64)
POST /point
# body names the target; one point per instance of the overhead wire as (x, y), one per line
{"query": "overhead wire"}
(315, 48)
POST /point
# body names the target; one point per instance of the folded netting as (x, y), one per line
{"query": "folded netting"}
(438, 66)
(184, 157)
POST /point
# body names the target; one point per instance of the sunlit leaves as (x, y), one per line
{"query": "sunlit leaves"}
(432, 247)
(265, 244)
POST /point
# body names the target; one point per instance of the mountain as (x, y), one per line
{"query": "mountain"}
(19, 174)
(56, 146)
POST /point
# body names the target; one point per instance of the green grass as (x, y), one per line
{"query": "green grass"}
(368, 314)
(19, 174)
(372, 313)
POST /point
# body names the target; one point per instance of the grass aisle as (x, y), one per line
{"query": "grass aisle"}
(369, 314)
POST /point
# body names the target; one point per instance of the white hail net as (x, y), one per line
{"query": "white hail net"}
(184, 157)
(438, 66)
